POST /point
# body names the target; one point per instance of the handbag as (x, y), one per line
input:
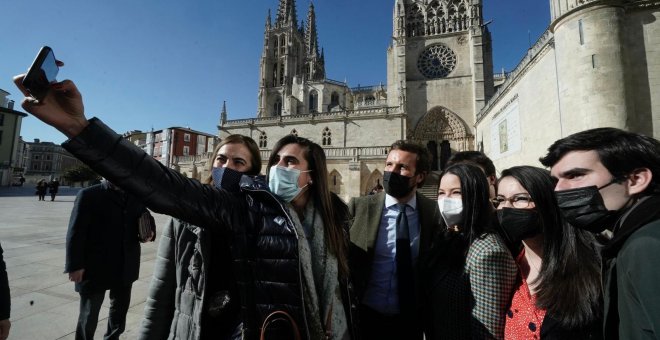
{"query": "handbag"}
(278, 317)
(146, 227)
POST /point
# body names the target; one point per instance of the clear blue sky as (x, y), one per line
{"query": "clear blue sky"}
(162, 63)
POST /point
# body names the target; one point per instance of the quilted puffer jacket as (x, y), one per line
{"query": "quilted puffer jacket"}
(264, 241)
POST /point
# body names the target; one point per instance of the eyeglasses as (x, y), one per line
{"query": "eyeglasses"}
(519, 201)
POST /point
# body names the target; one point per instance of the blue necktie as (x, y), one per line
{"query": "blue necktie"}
(404, 264)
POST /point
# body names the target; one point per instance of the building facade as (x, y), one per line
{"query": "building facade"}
(10, 146)
(598, 64)
(47, 160)
(183, 149)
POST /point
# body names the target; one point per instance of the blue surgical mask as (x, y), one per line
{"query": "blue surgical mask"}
(283, 182)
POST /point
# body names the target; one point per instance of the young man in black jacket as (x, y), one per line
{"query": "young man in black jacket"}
(609, 179)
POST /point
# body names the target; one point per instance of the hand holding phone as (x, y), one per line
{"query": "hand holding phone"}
(41, 74)
(66, 111)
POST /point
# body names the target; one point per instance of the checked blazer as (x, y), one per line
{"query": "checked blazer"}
(468, 301)
(367, 212)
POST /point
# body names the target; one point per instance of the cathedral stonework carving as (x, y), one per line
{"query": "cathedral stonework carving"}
(436, 61)
(440, 124)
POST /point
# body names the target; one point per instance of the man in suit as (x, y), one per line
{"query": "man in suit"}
(382, 266)
(103, 253)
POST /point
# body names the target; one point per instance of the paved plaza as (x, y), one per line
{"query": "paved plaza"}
(44, 304)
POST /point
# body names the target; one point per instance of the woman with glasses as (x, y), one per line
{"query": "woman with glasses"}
(469, 272)
(557, 294)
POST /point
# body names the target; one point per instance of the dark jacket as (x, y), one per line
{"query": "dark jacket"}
(467, 287)
(551, 329)
(103, 238)
(631, 274)
(5, 300)
(264, 240)
(178, 292)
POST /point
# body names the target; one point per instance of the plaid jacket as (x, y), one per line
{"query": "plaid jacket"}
(469, 301)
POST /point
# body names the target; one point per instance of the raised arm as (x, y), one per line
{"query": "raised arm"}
(163, 190)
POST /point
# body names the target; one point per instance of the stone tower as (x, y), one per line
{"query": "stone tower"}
(440, 71)
(290, 56)
(591, 71)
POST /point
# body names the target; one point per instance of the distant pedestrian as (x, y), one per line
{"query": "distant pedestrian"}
(5, 301)
(53, 187)
(42, 186)
(103, 253)
(21, 180)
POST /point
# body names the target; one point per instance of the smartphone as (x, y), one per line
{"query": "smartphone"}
(41, 74)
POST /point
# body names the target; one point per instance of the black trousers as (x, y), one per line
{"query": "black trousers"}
(90, 305)
(374, 325)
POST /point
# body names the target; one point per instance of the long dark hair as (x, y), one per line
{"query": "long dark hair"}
(333, 215)
(569, 285)
(477, 209)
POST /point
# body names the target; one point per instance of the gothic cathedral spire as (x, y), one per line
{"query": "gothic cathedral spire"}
(286, 14)
(315, 66)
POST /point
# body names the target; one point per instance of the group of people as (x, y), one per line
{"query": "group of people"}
(52, 187)
(536, 254)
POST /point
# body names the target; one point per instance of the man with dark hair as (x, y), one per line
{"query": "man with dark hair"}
(479, 159)
(389, 232)
(610, 179)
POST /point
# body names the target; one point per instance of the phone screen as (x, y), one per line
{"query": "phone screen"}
(49, 67)
(41, 74)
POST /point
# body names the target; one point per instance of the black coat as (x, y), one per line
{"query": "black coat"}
(5, 300)
(103, 238)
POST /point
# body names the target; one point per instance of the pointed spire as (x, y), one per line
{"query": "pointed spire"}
(223, 114)
(311, 36)
(268, 20)
(286, 13)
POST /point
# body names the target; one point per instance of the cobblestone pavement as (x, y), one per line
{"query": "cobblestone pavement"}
(33, 236)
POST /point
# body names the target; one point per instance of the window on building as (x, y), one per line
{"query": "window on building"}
(186, 137)
(263, 140)
(0, 137)
(186, 150)
(36, 166)
(2, 119)
(47, 157)
(277, 107)
(37, 157)
(327, 136)
(313, 101)
(334, 99)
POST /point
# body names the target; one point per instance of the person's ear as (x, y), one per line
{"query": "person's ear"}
(420, 178)
(639, 180)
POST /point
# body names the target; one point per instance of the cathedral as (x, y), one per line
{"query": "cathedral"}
(597, 64)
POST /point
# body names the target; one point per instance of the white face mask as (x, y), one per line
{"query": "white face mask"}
(451, 210)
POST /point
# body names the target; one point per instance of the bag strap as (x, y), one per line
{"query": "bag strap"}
(272, 317)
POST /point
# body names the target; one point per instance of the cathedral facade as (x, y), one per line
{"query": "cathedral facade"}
(598, 64)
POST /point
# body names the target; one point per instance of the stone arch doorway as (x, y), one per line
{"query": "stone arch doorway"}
(335, 182)
(374, 180)
(441, 130)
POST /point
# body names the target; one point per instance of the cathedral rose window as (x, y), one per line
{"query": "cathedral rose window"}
(436, 61)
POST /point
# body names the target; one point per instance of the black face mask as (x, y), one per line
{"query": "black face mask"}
(396, 185)
(226, 178)
(584, 208)
(519, 224)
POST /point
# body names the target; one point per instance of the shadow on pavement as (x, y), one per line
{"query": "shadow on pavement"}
(29, 190)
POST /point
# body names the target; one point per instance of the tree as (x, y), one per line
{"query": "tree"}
(81, 174)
